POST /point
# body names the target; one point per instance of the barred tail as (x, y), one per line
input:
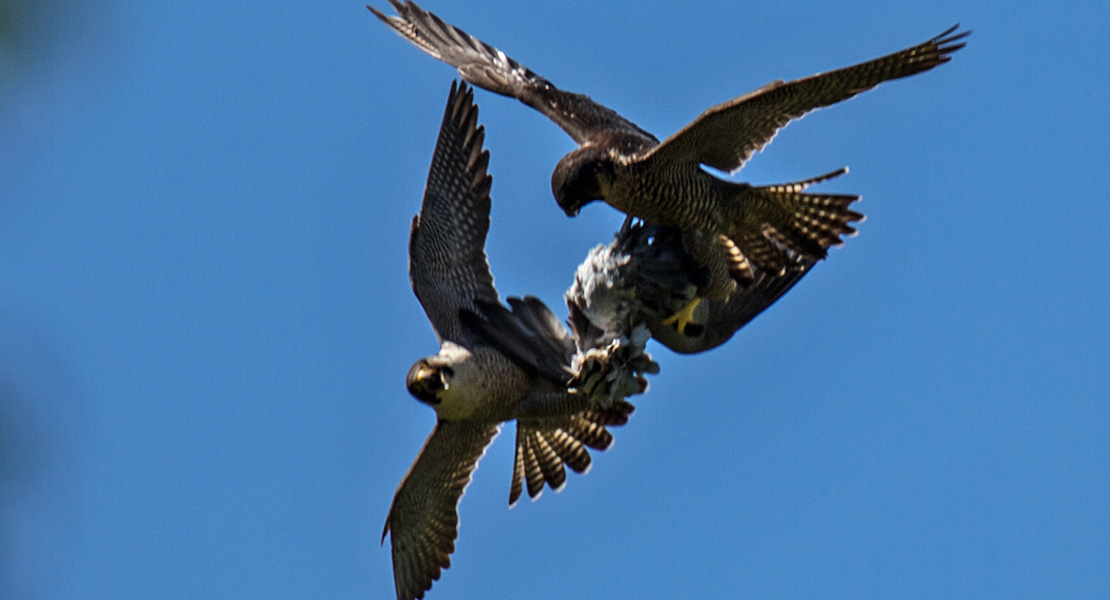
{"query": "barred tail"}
(793, 224)
(544, 446)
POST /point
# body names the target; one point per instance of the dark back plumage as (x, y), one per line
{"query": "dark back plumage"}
(528, 333)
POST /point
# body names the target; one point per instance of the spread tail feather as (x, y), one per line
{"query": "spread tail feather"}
(544, 447)
(795, 222)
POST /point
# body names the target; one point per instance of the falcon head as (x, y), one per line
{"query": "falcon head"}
(582, 177)
(450, 382)
(428, 379)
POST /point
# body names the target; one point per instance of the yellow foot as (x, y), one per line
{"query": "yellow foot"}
(682, 319)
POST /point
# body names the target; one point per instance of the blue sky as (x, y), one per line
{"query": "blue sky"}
(205, 316)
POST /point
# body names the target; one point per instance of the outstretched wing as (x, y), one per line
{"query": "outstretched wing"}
(489, 68)
(424, 517)
(726, 135)
(448, 267)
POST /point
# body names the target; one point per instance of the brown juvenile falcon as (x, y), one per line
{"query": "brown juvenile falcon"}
(472, 384)
(728, 226)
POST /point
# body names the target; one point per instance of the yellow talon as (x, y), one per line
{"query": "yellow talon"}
(683, 317)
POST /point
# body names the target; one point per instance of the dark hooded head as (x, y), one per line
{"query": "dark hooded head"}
(581, 177)
(427, 381)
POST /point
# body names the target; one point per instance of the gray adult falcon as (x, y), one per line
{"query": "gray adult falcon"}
(728, 226)
(472, 384)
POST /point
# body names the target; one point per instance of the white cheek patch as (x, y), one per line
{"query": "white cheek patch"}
(462, 391)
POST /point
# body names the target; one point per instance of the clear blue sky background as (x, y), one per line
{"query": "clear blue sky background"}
(205, 316)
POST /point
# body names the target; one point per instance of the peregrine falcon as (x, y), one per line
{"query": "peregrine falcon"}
(727, 226)
(473, 385)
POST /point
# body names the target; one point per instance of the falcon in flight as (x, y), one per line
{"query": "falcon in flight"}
(495, 364)
(729, 227)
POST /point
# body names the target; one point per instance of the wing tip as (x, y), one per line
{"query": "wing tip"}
(948, 42)
(390, 21)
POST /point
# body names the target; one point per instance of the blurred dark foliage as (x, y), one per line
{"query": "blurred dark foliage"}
(40, 436)
(17, 471)
(39, 36)
(25, 32)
